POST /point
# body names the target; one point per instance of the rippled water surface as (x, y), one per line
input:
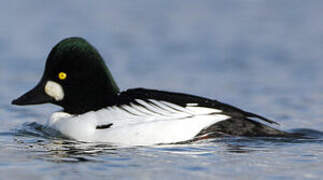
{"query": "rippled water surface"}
(262, 56)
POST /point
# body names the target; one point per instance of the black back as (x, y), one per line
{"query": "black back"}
(182, 99)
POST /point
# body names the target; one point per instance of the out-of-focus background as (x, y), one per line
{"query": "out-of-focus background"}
(262, 56)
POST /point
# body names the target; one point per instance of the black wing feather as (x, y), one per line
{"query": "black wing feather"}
(182, 99)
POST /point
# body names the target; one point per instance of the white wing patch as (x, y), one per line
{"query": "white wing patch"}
(192, 104)
(203, 110)
(142, 122)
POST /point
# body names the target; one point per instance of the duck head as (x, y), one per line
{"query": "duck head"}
(75, 78)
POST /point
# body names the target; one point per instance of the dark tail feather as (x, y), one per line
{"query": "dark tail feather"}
(249, 114)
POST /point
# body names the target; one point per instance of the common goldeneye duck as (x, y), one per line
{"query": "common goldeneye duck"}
(94, 110)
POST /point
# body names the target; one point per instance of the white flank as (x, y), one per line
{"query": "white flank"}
(145, 123)
(54, 90)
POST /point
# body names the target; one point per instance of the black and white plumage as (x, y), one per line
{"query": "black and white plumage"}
(77, 79)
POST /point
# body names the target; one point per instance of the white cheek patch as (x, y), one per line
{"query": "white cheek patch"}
(54, 90)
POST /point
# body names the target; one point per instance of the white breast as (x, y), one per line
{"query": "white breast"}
(139, 123)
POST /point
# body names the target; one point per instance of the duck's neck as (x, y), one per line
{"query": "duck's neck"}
(110, 82)
(97, 92)
(92, 102)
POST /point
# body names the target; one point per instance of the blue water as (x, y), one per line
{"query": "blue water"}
(262, 56)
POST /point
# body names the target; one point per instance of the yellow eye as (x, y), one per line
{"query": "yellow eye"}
(62, 75)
